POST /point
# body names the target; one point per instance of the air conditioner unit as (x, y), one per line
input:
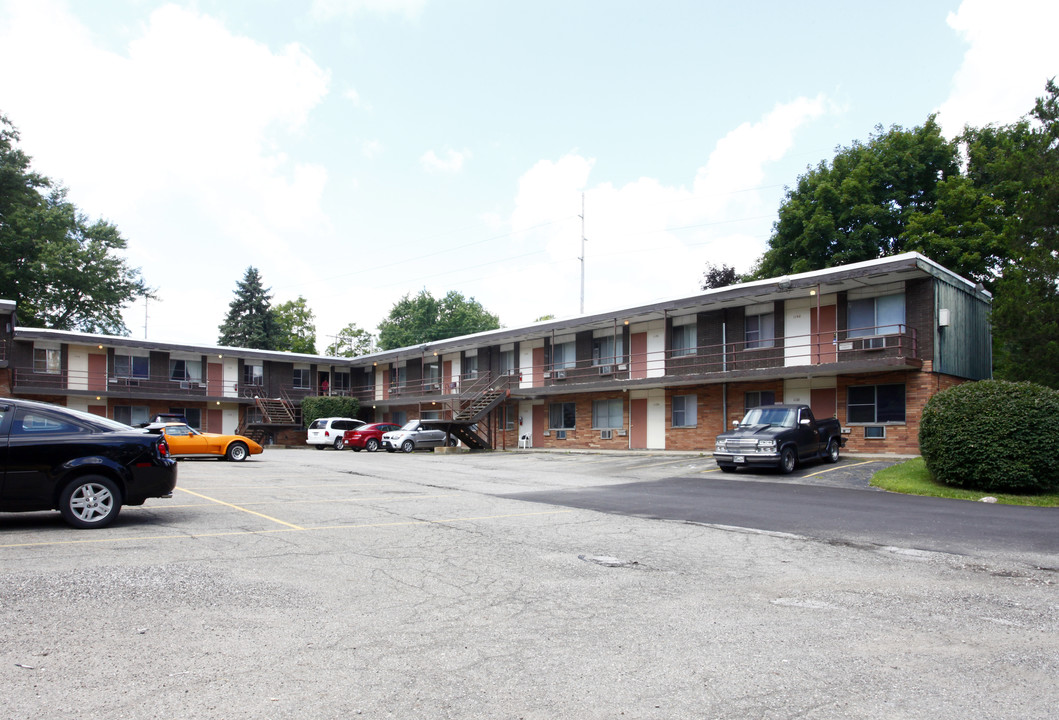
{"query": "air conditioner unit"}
(622, 433)
(560, 374)
(547, 374)
(606, 434)
(560, 434)
(606, 369)
(185, 386)
(435, 386)
(874, 343)
(623, 367)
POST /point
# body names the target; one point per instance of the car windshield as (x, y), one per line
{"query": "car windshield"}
(411, 425)
(781, 416)
(318, 425)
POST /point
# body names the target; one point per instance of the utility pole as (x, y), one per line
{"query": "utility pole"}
(582, 258)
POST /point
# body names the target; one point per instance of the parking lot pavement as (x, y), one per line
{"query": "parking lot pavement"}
(336, 584)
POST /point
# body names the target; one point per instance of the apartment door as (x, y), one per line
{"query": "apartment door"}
(638, 422)
(214, 421)
(638, 356)
(450, 383)
(97, 374)
(822, 327)
(537, 371)
(824, 402)
(214, 381)
(540, 422)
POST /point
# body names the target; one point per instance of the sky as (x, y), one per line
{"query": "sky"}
(357, 151)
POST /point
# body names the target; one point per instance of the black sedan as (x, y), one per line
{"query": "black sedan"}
(83, 465)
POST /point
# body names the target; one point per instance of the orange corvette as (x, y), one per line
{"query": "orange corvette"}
(185, 441)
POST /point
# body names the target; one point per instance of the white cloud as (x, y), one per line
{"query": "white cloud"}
(371, 148)
(646, 240)
(175, 140)
(450, 161)
(1011, 52)
(328, 9)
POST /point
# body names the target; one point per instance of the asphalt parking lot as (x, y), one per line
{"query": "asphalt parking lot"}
(305, 584)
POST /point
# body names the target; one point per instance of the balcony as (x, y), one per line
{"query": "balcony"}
(29, 380)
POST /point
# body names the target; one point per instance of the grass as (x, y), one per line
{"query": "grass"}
(912, 478)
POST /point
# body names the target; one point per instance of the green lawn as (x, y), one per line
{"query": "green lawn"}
(912, 478)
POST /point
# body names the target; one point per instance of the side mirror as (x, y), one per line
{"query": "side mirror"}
(805, 421)
(735, 423)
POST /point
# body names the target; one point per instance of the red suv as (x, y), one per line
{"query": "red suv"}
(367, 437)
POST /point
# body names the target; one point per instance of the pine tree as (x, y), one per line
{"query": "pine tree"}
(251, 322)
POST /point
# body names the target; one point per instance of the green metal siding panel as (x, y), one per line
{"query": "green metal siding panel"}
(965, 347)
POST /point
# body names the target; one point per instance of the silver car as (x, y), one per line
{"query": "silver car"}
(415, 435)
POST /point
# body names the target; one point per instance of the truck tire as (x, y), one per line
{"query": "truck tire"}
(832, 451)
(788, 459)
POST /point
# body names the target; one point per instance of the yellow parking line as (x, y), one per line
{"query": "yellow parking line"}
(292, 528)
(842, 467)
(241, 509)
(385, 498)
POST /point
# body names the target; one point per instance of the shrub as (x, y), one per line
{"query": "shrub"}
(993, 435)
(328, 406)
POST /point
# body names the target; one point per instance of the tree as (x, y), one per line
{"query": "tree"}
(63, 270)
(352, 341)
(422, 319)
(718, 276)
(296, 327)
(250, 322)
(858, 206)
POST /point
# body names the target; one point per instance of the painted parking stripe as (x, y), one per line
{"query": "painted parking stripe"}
(292, 528)
(840, 467)
(241, 509)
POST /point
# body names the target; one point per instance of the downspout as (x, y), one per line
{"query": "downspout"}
(724, 385)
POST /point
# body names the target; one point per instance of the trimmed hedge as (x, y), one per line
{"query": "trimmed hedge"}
(328, 406)
(994, 436)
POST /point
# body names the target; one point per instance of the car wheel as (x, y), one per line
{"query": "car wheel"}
(453, 442)
(372, 445)
(408, 446)
(727, 468)
(832, 451)
(91, 501)
(787, 460)
(237, 452)
(339, 444)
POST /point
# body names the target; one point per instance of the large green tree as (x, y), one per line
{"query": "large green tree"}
(296, 326)
(423, 318)
(250, 322)
(62, 269)
(351, 341)
(858, 206)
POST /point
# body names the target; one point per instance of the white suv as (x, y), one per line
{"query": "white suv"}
(324, 432)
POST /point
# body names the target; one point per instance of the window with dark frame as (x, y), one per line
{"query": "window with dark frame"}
(684, 411)
(562, 416)
(760, 331)
(875, 403)
(302, 379)
(253, 374)
(754, 398)
(684, 340)
(47, 360)
(883, 315)
(607, 414)
(132, 366)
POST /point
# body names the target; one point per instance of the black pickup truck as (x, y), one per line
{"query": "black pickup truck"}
(778, 436)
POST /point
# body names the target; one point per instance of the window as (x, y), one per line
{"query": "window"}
(758, 397)
(562, 416)
(684, 340)
(433, 376)
(875, 404)
(507, 416)
(132, 366)
(29, 422)
(470, 367)
(46, 360)
(876, 316)
(192, 415)
(607, 350)
(684, 413)
(302, 379)
(399, 417)
(253, 374)
(132, 414)
(185, 370)
(341, 383)
(761, 330)
(507, 362)
(430, 415)
(607, 414)
(564, 355)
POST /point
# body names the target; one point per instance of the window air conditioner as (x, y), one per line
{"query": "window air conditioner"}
(560, 434)
(606, 434)
(560, 374)
(606, 369)
(185, 386)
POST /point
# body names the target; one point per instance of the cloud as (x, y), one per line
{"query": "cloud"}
(174, 138)
(371, 148)
(451, 160)
(645, 240)
(328, 9)
(1011, 52)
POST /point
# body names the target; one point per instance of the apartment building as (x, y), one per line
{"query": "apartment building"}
(867, 343)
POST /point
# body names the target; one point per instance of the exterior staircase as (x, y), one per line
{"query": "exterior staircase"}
(480, 405)
(276, 410)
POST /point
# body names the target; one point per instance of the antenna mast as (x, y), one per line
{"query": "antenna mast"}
(582, 258)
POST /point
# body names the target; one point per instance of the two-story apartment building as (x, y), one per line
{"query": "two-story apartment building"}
(868, 343)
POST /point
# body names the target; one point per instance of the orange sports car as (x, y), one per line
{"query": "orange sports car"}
(186, 441)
